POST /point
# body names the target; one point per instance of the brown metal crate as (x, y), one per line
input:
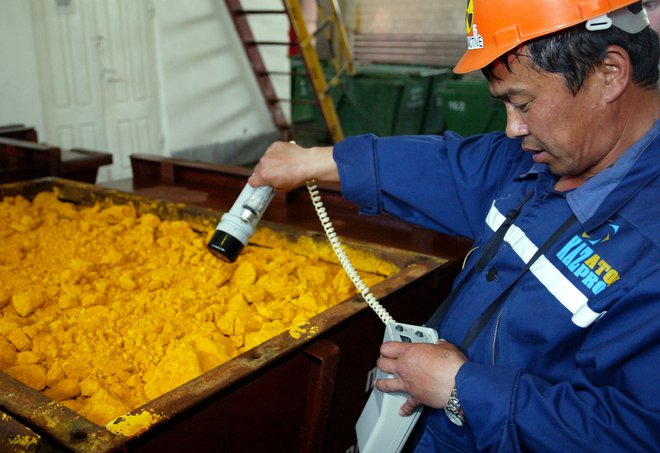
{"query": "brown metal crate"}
(287, 394)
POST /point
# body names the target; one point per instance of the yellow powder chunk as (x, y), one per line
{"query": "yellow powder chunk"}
(32, 375)
(19, 442)
(7, 326)
(102, 405)
(299, 330)
(179, 365)
(89, 386)
(18, 338)
(103, 308)
(27, 357)
(26, 302)
(5, 297)
(63, 390)
(8, 353)
(128, 425)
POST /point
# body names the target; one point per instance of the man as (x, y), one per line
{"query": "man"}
(551, 337)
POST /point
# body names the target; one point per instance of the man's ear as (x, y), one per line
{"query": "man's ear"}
(616, 70)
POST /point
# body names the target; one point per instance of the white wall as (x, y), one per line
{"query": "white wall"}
(208, 93)
(20, 101)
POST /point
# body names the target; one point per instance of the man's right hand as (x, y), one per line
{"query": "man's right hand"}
(286, 166)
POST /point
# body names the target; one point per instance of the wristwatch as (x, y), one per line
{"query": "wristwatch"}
(453, 409)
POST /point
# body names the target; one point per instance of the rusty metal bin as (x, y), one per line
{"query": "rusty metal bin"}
(287, 394)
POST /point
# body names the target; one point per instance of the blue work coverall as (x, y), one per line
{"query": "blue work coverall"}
(570, 361)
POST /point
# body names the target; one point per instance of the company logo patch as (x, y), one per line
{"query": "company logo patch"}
(595, 273)
(612, 230)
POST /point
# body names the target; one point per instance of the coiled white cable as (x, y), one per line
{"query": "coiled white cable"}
(364, 290)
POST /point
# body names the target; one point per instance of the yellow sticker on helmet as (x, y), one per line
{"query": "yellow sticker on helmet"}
(474, 39)
(469, 15)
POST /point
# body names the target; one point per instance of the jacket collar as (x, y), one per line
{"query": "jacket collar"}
(595, 201)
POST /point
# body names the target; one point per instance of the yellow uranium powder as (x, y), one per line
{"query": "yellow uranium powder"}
(103, 309)
(303, 329)
(128, 425)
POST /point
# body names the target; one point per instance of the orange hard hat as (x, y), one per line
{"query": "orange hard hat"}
(494, 27)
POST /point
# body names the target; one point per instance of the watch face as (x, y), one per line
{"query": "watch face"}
(456, 419)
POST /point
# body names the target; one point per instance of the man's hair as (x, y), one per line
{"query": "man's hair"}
(576, 52)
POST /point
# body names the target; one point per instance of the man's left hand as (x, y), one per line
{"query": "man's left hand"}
(426, 372)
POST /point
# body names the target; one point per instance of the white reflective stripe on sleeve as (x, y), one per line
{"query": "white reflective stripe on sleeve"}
(585, 316)
(546, 272)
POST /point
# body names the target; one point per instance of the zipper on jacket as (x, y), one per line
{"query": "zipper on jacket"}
(497, 327)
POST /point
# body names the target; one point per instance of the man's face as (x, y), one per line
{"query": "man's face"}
(653, 10)
(566, 132)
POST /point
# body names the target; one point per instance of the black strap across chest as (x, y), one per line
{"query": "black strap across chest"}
(485, 257)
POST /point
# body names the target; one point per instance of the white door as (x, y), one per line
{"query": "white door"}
(98, 77)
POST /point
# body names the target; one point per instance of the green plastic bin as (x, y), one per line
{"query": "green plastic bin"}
(468, 107)
(434, 119)
(306, 116)
(301, 89)
(387, 99)
(368, 106)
